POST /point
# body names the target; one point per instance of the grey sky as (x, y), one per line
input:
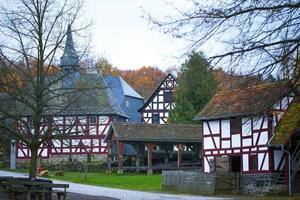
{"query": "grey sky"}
(126, 39)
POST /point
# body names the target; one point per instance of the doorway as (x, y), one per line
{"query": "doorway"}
(235, 163)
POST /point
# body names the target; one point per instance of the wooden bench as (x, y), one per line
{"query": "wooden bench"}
(42, 190)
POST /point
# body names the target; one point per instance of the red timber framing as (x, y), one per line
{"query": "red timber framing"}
(157, 107)
(251, 141)
(87, 135)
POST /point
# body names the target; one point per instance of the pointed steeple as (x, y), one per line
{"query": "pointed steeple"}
(69, 60)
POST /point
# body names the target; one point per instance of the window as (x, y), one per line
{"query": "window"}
(168, 97)
(92, 119)
(155, 118)
(235, 125)
(253, 163)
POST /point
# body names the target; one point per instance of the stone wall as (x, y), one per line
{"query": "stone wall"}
(260, 184)
(56, 159)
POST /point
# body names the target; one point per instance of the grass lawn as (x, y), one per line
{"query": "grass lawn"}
(125, 181)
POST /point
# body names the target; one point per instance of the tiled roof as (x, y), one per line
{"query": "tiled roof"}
(243, 102)
(156, 132)
(288, 124)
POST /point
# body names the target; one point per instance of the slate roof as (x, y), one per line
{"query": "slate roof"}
(87, 94)
(243, 102)
(120, 88)
(155, 132)
(288, 124)
(93, 96)
(69, 57)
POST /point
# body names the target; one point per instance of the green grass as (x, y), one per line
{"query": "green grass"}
(130, 181)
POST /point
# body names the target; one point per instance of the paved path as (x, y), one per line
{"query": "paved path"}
(117, 193)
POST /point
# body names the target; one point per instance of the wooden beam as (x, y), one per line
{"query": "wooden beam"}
(109, 157)
(150, 149)
(179, 155)
(120, 157)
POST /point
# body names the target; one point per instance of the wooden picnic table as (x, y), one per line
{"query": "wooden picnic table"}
(42, 190)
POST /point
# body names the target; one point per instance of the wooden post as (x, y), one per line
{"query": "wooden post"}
(120, 157)
(150, 148)
(179, 155)
(109, 156)
(138, 157)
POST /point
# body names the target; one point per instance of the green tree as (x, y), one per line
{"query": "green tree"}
(196, 87)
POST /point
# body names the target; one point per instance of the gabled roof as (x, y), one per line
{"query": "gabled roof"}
(93, 97)
(243, 102)
(156, 91)
(155, 132)
(288, 124)
(120, 88)
(86, 95)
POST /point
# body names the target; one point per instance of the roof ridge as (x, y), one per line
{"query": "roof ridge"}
(142, 124)
(252, 87)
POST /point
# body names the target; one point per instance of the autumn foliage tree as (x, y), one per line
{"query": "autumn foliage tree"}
(144, 80)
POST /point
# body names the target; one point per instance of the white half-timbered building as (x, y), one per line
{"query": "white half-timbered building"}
(157, 108)
(237, 128)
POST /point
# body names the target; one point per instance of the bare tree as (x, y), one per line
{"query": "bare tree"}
(258, 36)
(32, 34)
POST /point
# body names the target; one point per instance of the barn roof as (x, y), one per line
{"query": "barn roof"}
(155, 132)
(243, 102)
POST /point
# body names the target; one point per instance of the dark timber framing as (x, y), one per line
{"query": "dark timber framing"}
(160, 102)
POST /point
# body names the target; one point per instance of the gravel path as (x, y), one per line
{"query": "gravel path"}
(100, 193)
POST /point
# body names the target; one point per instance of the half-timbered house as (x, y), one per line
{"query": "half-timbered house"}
(237, 128)
(90, 107)
(157, 108)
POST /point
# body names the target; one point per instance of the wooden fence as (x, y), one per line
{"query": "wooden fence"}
(200, 183)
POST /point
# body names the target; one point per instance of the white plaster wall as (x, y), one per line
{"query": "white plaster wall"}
(225, 128)
(245, 162)
(225, 144)
(266, 162)
(208, 143)
(246, 126)
(247, 142)
(214, 126)
(236, 140)
(205, 128)
(263, 138)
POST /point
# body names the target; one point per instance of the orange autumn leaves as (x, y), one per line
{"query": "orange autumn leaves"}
(144, 80)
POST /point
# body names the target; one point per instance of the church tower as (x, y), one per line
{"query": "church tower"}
(69, 62)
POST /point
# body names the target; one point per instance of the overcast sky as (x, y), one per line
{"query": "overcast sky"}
(120, 34)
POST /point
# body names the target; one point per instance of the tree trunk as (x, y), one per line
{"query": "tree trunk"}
(33, 165)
